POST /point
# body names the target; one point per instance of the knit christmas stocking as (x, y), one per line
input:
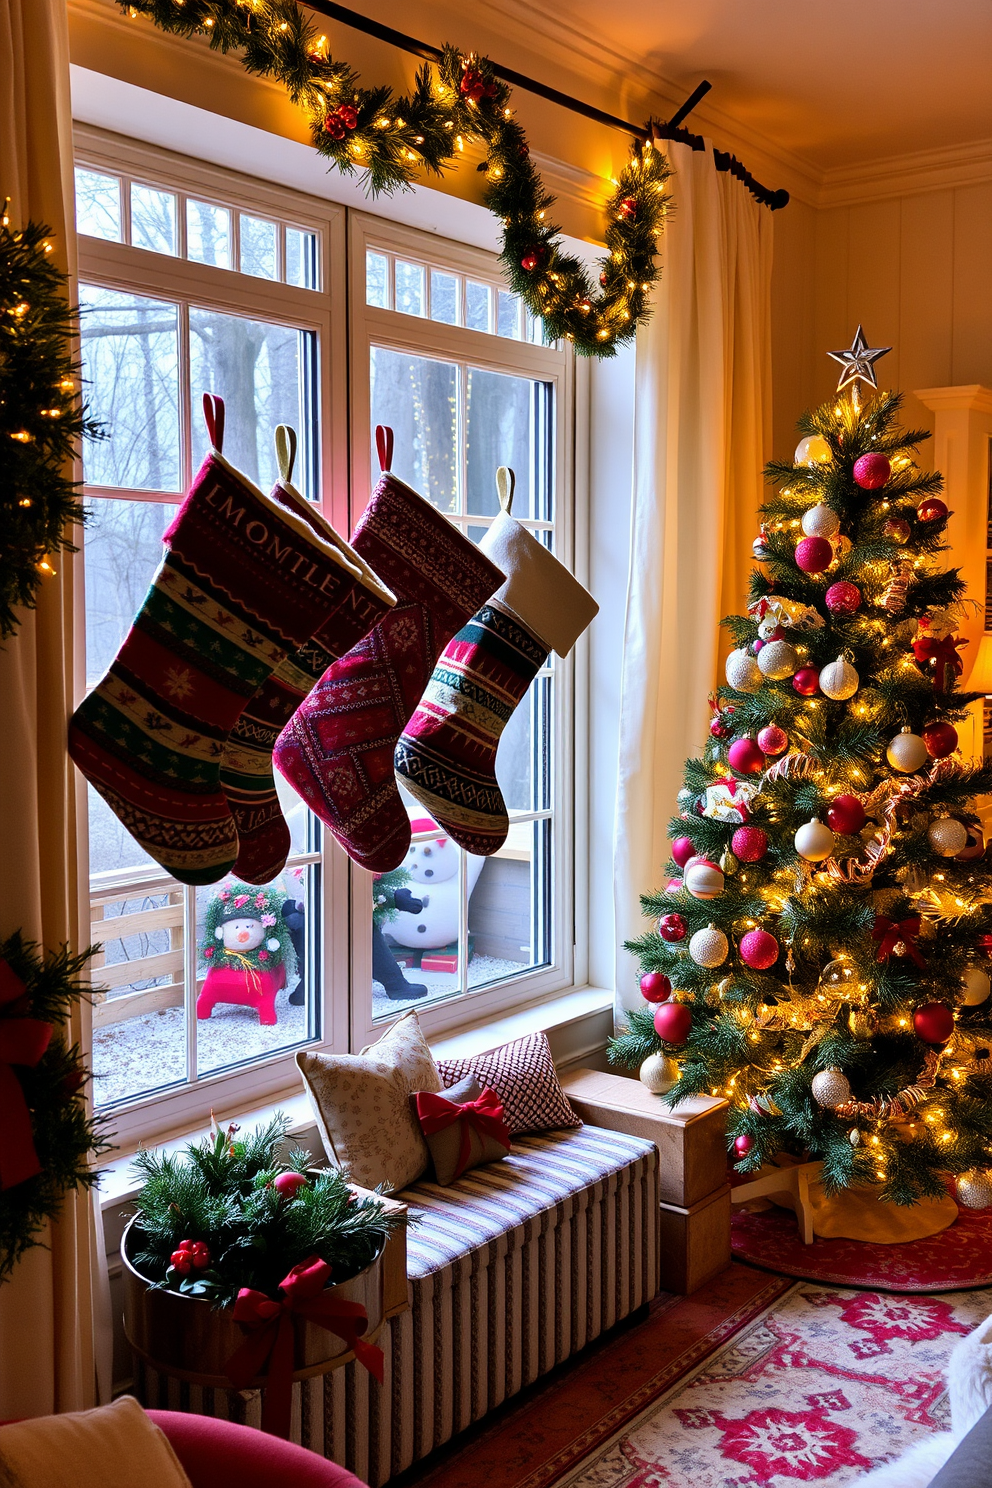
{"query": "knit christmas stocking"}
(246, 766)
(337, 749)
(446, 755)
(243, 582)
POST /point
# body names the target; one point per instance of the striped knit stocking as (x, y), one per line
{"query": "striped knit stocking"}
(243, 582)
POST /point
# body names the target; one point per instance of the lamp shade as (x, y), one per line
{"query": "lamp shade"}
(981, 673)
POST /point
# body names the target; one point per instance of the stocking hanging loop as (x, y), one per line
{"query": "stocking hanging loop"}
(384, 446)
(286, 445)
(213, 417)
(505, 484)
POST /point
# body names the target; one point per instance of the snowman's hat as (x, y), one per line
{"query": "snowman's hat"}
(427, 824)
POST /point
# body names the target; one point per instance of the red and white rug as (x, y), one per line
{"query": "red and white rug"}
(820, 1388)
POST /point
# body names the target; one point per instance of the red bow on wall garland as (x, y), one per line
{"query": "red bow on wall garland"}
(484, 1115)
(890, 933)
(23, 1040)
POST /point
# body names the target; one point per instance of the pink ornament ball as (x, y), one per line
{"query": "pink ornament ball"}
(672, 927)
(655, 986)
(845, 815)
(843, 598)
(745, 756)
(807, 681)
(941, 739)
(288, 1184)
(673, 1022)
(773, 740)
(871, 471)
(759, 950)
(749, 844)
(743, 1144)
(934, 1022)
(814, 554)
(683, 850)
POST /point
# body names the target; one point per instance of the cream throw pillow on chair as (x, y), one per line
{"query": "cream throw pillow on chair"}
(362, 1105)
(114, 1446)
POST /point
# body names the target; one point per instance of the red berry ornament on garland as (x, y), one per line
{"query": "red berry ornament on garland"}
(814, 554)
(843, 598)
(773, 740)
(655, 987)
(746, 757)
(871, 471)
(941, 739)
(627, 209)
(474, 86)
(531, 260)
(340, 120)
(932, 510)
(749, 844)
(845, 815)
(673, 1022)
(759, 950)
(807, 681)
(934, 1022)
(288, 1185)
(672, 927)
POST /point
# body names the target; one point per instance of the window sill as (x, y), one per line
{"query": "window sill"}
(554, 1017)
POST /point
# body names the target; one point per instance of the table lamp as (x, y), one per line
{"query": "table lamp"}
(981, 673)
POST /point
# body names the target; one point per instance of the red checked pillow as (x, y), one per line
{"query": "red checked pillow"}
(523, 1075)
(463, 1128)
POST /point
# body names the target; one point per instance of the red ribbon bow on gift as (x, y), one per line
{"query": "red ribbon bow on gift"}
(889, 933)
(947, 664)
(483, 1116)
(270, 1339)
(23, 1041)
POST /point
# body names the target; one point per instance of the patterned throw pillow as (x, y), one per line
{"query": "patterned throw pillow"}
(362, 1105)
(463, 1128)
(523, 1076)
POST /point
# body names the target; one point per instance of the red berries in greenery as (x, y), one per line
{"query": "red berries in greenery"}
(814, 554)
(655, 986)
(338, 122)
(745, 756)
(931, 510)
(683, 850)
(531, 260)
(474, 86)
(845, 815)
(759, 950)
(806, 681)
(871, 471)
(673, 1022)
(843, 598)
(672, 927)
(941, 739)
(191, 1255)
(773, 740)
(288, 1185)
(749, 844)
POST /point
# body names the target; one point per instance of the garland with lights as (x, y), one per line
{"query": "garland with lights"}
(47, 1135)
(389, 139)
(41, 416)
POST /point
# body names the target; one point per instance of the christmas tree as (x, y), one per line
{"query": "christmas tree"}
(818, 956)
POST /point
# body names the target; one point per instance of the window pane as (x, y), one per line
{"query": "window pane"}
(153, 219)
(415, 924)
(258, 247)
(477, 306)
(509, 423)
(507, 315)
(98, 205)
(131, 368)
(208, 234)
(265, 374)
(410, 283)
(418, 398)
(509, 911)
(377, 280)
(246, 1009)
(444, 297)
(301, 258)
(525, 751)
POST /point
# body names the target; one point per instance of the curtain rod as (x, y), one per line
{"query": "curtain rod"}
(670, 130)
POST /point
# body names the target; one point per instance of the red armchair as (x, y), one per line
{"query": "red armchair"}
(219, 1454)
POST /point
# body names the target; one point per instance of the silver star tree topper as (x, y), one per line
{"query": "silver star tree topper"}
(858, 362)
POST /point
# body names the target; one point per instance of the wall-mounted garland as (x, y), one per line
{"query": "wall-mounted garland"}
(389, 140)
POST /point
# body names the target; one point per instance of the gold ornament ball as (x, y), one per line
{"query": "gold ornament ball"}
(947, 836)
(709, 947)
(821, 521)
(813, 450)
(974, 1189)
(839, 680)
(659, 1073)
(814, 841)
(742, 672)
(831, 1088)
(907, 752)
(976, 987)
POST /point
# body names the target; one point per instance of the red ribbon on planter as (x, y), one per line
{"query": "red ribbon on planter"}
(270, 1337)
(23, 1040)
(889, 933)
(484, 1116)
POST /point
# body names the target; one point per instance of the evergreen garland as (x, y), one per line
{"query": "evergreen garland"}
(388, 140)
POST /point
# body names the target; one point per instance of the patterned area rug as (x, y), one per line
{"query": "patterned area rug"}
(956, 1258)
(819, 1389)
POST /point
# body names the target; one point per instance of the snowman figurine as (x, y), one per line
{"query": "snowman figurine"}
(433, 867)
(247, 949)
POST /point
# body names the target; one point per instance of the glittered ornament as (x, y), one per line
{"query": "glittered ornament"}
(932, 510)
(672, 927)
(839, 680)
(703, 879)
(907, 752)
(947, 836)
(778, 660)
(741, 672)
(976, 986)
(814, 841)
(974, 1189)
(749, 844)
(683, 850)
(743, 1144)
(814, 554)
(709, 947)
(746, 757)
(773, 740)
(807, 681)
(897, 529)
(871, 471)
(673, 1022)
(655, 986)
(821, 521)
(813, 450)
(659, 1073)
(759, 950)
(934, 1022)
(941, 739)
(845, 815)
(831, 1088)
(843, 598)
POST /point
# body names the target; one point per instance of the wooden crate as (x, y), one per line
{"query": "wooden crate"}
(695, 1242)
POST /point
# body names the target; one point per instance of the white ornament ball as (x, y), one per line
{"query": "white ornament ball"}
(907, 752)
(778, 660)
(814, 841)
(831, 1088)
(813, 450)
(659, 1073)
(272, 944)
(976, 986)
(703, 879)
(821, 521)
(947, 836)
(709, 947)
(839, 680)
(742, 672)
(974, 1189)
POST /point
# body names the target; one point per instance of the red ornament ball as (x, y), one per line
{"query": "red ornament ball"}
(672, 927)
(627, 209)
(683, 850)
(843, 598)
(743, 1144)
(871, 471)
(932, 510)
(807, 681)
(941, 739)
(814, 554)
(655, 986)
(745, 756)
(845, 815)
(773, 740)
(934, 1022)
(759, 950)
(530, 261)
(984, 944)
(673, 1022)
(288, 1184)
(749, 844)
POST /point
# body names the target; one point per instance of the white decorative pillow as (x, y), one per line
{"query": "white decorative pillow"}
(114, 1446)
(362, 1105)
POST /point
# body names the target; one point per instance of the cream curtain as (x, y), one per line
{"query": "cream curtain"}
(51, 1308)
(702, 419)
